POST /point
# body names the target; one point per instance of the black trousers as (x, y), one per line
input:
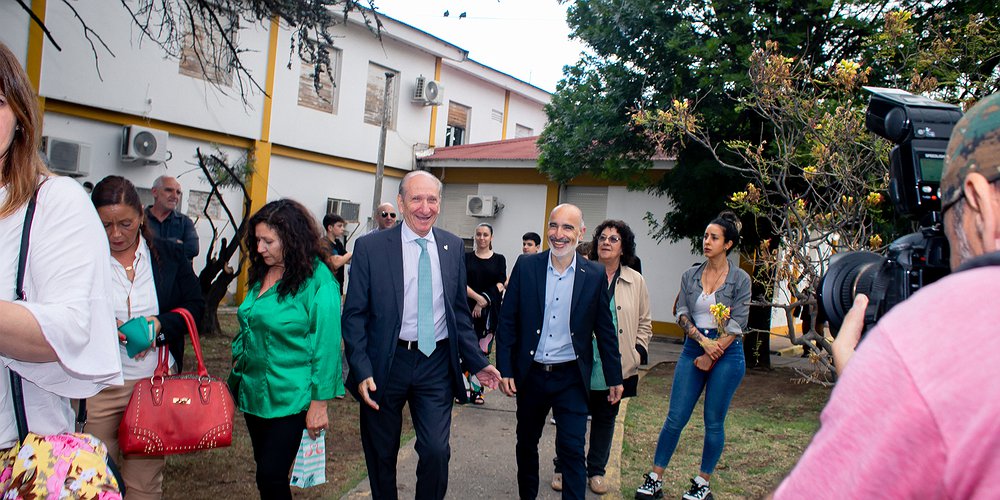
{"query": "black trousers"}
(275, 443)
(424, 383)
(602, 432)
(562, 390)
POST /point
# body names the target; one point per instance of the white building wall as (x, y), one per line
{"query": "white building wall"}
(662, 263)
(105, 160)
(326, 182)
(527, 112)
(468, 90)
(14, 28)
(523, 211)
(139, 79)
(345, 133)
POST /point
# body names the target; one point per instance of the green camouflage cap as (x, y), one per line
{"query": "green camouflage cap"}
(974, 147)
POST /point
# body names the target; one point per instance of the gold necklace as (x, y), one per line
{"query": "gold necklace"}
(718, 282)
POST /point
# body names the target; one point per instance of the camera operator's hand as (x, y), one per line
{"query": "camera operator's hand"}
(850, 333)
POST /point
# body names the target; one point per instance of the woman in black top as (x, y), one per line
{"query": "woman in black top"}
(486, 273)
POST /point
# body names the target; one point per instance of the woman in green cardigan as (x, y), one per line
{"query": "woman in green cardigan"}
(286, 356)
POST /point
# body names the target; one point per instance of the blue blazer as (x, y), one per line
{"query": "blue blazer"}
(373, 310)
(524, 308)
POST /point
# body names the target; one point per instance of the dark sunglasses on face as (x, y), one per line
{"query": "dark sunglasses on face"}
(612, 238)
(391, 215)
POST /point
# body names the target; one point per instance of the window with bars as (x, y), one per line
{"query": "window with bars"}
(373, 95)
(458, 124)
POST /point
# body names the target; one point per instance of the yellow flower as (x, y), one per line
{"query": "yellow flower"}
(721, 314)
(875, 242)
(874, 199)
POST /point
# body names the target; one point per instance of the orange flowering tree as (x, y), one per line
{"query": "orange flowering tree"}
(819, 180)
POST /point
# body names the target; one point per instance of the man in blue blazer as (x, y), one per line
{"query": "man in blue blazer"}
(408, 334)
(556, 304)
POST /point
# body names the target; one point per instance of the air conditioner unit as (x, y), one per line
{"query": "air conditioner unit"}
(144, 144)
(478, 205)
(349, 210)
(67, 157)
(428, 92)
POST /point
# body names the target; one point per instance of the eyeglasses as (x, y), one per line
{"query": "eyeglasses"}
(391, 215)
(613, 238)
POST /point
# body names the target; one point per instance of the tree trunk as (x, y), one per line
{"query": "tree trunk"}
(757, 341)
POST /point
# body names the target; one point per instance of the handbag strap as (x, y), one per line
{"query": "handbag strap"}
(192, 328)
(16, 389)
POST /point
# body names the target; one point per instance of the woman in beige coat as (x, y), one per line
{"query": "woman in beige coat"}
(614, 247)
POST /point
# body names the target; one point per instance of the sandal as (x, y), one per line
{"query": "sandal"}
(478, 399)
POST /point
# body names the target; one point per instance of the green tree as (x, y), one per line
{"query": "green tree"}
(819, 181)
(647, 54)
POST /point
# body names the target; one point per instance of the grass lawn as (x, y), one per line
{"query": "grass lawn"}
(770, 422)
(229, 472)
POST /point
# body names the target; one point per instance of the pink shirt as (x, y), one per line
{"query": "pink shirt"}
(916, 413)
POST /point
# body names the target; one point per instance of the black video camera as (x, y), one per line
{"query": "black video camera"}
(920, 128)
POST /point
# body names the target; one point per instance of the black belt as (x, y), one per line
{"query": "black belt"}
(411, 345)
(554, 366)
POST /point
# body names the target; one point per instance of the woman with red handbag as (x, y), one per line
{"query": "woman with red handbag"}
(150, 278)
(712, 308)
(286, 356)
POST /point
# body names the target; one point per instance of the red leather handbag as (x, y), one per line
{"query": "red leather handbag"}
(181, 413)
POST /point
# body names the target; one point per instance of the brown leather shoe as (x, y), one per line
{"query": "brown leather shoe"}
(598, 485)
(557, 481)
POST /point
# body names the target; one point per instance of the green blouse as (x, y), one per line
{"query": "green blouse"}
(287, 352)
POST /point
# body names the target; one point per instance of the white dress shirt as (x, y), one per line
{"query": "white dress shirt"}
(411, 259)
(132, 300)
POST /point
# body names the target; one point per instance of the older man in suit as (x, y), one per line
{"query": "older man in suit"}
(555, 305)
(408, 334)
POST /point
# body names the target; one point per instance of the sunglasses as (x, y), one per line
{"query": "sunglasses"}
(612, 238)
(391, 215)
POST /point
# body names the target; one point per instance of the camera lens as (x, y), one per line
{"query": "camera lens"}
(849, 274)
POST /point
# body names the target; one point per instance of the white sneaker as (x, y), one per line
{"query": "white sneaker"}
(651, 489)
(699, 490)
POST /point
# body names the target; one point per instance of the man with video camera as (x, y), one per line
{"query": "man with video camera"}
(916, 412)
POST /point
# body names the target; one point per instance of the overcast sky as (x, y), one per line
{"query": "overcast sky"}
(527, 39)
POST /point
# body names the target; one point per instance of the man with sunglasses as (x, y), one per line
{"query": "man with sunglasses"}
(915, 411)
(385, 217)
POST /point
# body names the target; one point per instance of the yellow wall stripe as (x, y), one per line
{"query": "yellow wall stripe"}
(106, 116)
(333, 161)
(432, 136)
(36, 42)
(506, 109)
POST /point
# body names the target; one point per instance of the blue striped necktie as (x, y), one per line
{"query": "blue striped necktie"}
(425, 301)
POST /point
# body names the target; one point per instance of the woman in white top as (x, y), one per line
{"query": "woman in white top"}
(62, 339)
(151, 278)
(712, 360)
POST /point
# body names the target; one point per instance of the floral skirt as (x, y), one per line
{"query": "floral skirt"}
(57, 466)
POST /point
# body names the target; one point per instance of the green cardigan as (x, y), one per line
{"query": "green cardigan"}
(287, 352)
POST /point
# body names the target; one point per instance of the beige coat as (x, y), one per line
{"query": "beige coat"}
(635, 323)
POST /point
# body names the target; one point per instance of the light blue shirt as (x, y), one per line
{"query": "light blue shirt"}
(411, 259)
(556, 343)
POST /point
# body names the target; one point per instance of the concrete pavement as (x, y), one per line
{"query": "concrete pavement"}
(482, 445)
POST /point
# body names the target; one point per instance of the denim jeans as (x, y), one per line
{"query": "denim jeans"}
(719, 384)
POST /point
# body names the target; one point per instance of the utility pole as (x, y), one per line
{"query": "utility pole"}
(380, 163)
